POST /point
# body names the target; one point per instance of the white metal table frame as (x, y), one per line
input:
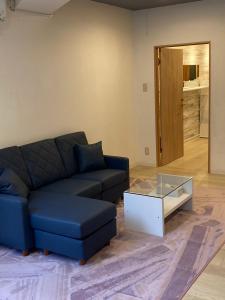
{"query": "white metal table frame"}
(147, 213)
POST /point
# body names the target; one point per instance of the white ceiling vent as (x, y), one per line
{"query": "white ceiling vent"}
(47, 7)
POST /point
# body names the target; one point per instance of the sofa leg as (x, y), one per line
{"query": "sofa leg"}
(46, 252)
(82, 262)
(25, 252)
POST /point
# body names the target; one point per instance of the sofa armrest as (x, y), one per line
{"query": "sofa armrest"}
(15, 230)
(117, 162)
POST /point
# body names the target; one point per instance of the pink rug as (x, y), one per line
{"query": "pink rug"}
(135, 266)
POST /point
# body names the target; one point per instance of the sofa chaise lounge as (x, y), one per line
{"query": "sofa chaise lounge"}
(66, 212)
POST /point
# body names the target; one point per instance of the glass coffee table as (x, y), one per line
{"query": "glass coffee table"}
(149, 202)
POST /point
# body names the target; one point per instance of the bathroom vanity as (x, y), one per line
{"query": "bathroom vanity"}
(196, 111)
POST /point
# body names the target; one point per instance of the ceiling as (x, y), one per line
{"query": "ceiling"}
(142, 4)
(40, 6)
(50, 6)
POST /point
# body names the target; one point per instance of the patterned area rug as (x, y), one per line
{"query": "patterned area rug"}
(135, 266)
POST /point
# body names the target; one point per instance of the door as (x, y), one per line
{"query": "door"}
(170, 76)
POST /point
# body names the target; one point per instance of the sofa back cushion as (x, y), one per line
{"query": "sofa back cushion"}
(65, 144)
(12, 158)
(43, 162)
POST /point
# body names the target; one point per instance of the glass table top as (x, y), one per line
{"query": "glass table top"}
(159, 186)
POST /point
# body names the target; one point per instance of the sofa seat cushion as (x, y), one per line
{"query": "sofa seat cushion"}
(107, 177)
(86, 188)
(69, 215)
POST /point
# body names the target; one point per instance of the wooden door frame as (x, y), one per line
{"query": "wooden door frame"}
(157, 97)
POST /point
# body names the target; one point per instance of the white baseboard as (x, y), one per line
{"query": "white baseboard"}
(144, 164)
(217, 172)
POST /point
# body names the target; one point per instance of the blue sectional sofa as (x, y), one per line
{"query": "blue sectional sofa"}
(66, 212)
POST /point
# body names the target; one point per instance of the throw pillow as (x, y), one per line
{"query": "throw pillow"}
(90, 157)
(11, 184)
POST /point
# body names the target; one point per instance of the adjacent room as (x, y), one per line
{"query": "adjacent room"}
(182, 84)
(112, 163)
(196, 101)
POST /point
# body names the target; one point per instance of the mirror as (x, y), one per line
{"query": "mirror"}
(190, 72)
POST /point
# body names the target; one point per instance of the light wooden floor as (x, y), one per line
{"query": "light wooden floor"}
(211, 283)
(194, 163)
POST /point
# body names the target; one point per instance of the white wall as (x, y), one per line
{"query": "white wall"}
(67, 73)
(193, 22)
(75, 71)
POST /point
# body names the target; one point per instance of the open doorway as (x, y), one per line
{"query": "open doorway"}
(182, 80)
